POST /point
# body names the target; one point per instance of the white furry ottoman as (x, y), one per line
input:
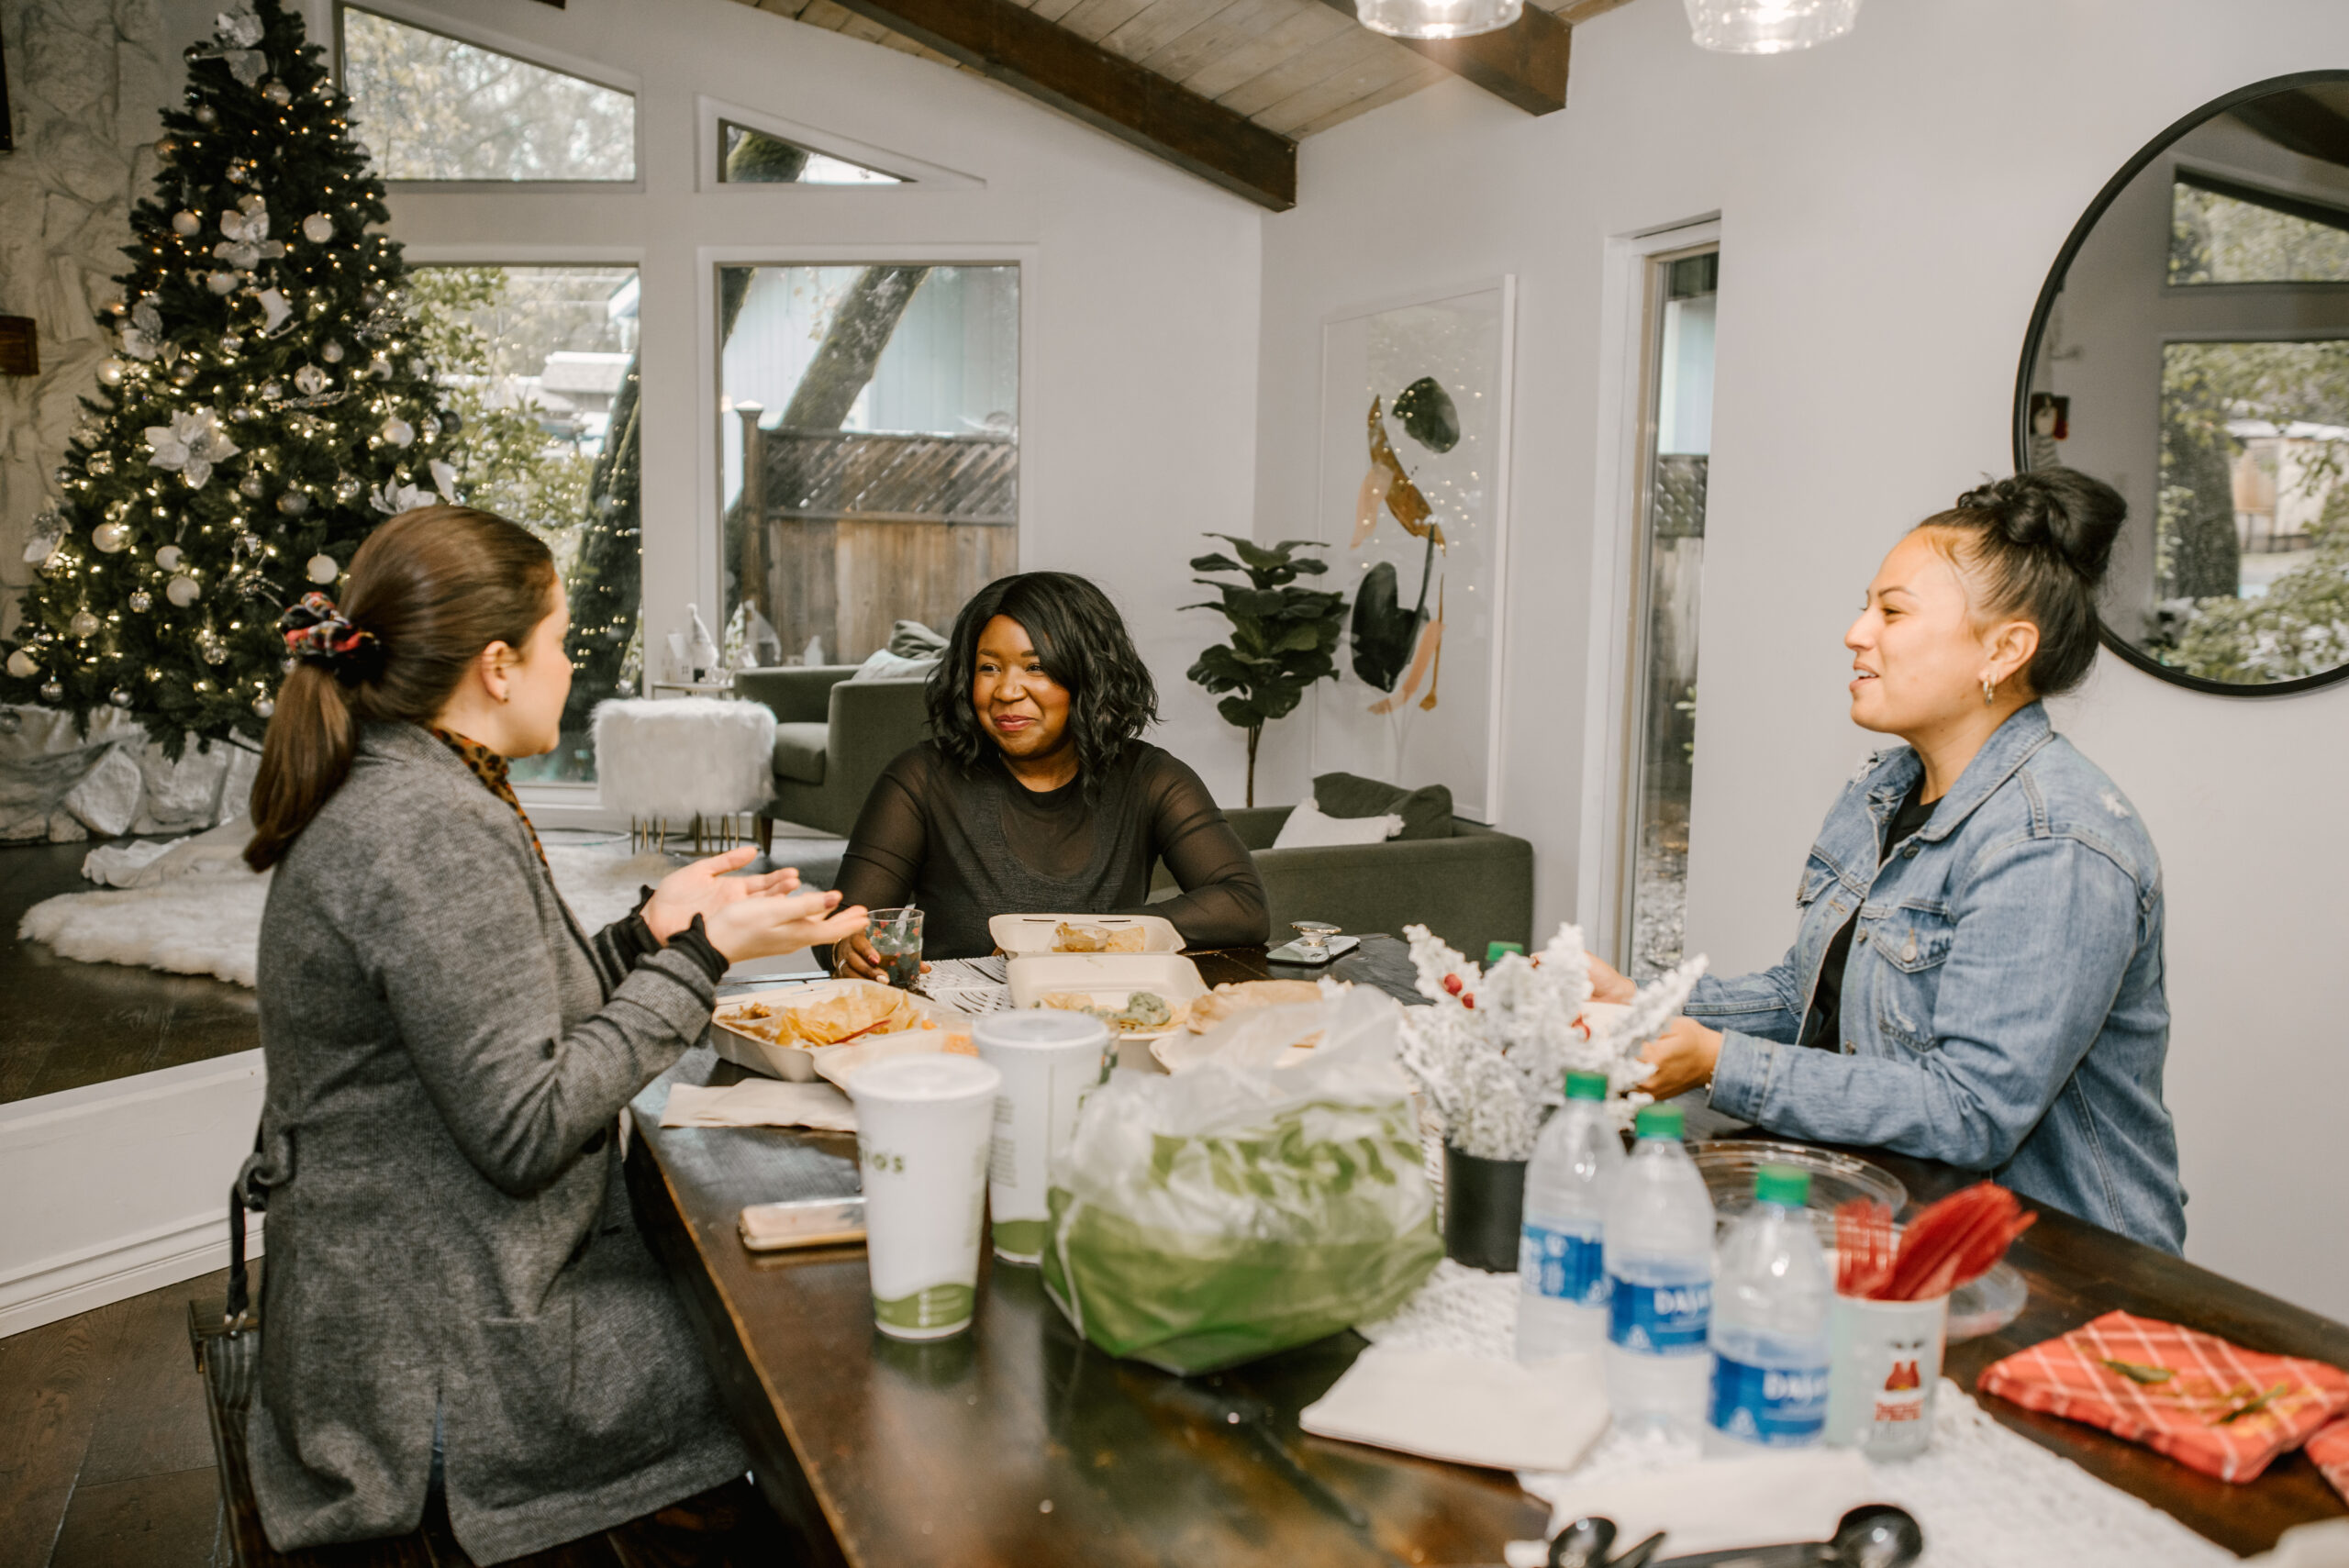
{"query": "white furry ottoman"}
(676, 758)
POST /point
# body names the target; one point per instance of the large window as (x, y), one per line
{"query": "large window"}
(1669, 567)
(434, 107)
(870, 438)
(541, 365)
(2221, 232)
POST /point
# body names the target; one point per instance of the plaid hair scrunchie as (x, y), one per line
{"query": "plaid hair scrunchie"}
(318, 633)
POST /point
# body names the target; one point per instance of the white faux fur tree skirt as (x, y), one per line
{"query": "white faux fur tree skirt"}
(208, 921)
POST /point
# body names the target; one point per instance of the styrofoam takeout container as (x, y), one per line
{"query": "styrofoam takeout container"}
(798, 1062)
(1109, 978)
(1021, 934)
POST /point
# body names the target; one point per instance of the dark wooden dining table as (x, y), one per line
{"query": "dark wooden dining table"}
(1018, 1443)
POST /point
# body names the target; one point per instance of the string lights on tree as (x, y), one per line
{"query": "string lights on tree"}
(263, 411)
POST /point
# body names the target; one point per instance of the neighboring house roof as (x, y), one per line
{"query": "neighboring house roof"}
(843, 475)
(578, 372)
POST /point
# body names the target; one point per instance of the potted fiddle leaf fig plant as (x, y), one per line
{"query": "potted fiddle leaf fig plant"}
(1284, 637)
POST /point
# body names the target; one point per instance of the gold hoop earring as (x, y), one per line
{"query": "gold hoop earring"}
(1989, 691)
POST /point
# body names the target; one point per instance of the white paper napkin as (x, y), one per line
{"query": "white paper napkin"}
(1468, 1409)
(1713, 1504)
(760, 1102)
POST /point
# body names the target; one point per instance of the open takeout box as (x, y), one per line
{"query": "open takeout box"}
(1021, 934)
(1109, 978)
(740, 1042)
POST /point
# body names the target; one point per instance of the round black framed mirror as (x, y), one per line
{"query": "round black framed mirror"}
(2190, 348)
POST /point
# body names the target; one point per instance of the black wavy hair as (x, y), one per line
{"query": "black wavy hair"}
(1083, 644)
(2036, 546)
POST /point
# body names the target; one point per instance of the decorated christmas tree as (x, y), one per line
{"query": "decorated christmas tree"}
(266, 408)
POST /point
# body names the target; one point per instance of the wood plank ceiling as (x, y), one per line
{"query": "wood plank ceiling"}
(1292, 68)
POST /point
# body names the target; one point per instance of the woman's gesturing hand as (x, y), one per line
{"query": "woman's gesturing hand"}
(1684, 1054)
(1608, 984)
(765, 925)
(705, 887)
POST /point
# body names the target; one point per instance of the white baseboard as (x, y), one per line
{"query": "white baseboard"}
(121, 1187)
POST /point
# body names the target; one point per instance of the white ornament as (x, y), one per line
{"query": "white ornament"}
(51, 692)
(238, 27)
(181, 590)
(318, 229)
(186, 224)
(293, 504)
(142, 335)
(263, 706)
(141, 600)
(110, 538)
(323, 568)
(22, 664)
(169, 558)
(330, 351)
(273, 307)
(310, 380)
(247, 243)
(110, 371)
(83, 624)
(398, 431)
(119, 697)
(191, 443)
(221, 282)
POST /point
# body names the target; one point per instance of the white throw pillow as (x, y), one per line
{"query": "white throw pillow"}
(1308, 829)
(884, 665)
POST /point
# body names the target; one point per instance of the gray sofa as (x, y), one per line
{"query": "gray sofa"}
(832, 738)
(1474, 887)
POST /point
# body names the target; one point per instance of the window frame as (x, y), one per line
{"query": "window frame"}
(709, 565)
(1614, 701)
(594, 72)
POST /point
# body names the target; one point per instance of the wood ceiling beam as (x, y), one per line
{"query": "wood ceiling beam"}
(1523, 63)
(1023, 52)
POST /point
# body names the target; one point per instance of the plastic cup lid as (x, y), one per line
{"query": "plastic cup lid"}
(1581, 1085)
(933, 1078)
(1661, 1121)
(1044, 1027)
(1787, 1185)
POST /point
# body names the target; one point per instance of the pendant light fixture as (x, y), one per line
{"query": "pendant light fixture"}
(1769, 27)
(1436, 18)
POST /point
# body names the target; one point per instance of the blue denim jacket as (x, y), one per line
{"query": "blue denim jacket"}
(2002, 1007)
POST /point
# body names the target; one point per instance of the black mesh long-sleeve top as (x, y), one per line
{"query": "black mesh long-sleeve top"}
(968, 844)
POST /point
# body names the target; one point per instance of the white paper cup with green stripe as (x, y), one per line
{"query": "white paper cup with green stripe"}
(1050, 1061)
(923, 1126)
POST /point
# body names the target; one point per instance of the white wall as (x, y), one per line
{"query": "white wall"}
(1890, 206)
(1139, 421)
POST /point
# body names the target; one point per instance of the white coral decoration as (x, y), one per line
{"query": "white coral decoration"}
(191, 443)
(1491, 1053)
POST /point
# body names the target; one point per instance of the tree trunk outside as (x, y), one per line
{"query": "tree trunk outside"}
(1255, 733)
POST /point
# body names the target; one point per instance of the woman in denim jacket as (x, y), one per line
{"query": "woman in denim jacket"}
(1976, 975)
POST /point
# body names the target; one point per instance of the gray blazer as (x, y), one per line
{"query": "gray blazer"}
(448, 1232)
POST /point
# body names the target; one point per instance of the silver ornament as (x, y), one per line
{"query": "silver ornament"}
(110, 371)
(110, 538)
(250, 485)
(330, 351)
(263, 706)
(240, 170)
(181, 591)
(184, 372)
(271, 391)
(221, 282)
(293, 503)
(398, 431)
(50, 692)
(141, 600)
(232, 344)
(318, 229)
(379, 368)
(431, 429)
(309, 381)
(370, 298)
(322, 568)
(83, 625)
(165, 145)
(205, 114)
(22, 664)
(212, 649)
(244, 415)
(277, 93)
(347, 490)
(169, 558)
(119, 697)
(186, 224)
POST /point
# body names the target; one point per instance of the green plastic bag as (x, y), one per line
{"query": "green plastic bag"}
(1241, 1208)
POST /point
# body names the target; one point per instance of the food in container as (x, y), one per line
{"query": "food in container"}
(782, 1033)
(1232, 998)
(1141, 1011)
(1141, 995)
(1097, 939)
(1019, 935)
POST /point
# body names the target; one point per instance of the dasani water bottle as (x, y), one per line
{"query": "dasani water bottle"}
(1772, 1296)
(1659, 1250)
(1561, 1265)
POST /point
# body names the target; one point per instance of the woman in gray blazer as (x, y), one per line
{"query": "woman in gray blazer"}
(456, 1290)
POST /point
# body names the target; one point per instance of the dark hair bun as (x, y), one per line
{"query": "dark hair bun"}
(2060, 511)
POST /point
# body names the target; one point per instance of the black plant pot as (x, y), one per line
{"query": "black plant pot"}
(1483, 1207)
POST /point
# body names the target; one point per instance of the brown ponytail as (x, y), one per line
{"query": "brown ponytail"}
(433, 587)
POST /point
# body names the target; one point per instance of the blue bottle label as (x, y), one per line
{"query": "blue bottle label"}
(1775, 1406)
(1659, 1319)
(1562, 1265)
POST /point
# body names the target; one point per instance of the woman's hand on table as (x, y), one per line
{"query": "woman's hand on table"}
(855, 958)
(1685, 1055)
(707, 886)
(1608, 984)
(768, 925)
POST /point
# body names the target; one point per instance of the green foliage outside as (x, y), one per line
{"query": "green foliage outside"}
(2298, 628)
(1283, 637)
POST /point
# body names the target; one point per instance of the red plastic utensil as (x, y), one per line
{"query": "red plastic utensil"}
(1955, 1242)
(1863, 1247)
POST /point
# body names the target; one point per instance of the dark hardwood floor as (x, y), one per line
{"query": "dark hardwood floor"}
(65, 1023)
(105, 1461)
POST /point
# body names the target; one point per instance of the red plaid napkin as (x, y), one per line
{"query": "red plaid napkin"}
(2329, 1448)
(2211, 1406)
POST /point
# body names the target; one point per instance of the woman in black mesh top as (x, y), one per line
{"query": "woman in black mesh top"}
(1038, 795)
